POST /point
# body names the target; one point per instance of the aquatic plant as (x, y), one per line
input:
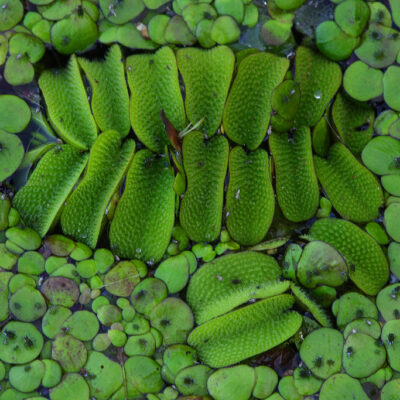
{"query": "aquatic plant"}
(207, 280)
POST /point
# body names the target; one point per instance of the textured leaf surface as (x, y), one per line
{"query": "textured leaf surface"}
(319, 80)
(250, 199)
(228, 281)
(354, 122)
(207, 75)
(40, 200)
(205, 162)
(245, 332)
(68, 106)
(144, 217)
(353, 190)
(296, 183)
(84, 212)
(367, 263)
(247, 110)
(153, 82)
(311, 305)
(110, 99)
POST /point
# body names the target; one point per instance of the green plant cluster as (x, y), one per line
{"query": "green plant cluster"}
(192, 217)
(370, 31)
(76, 320)
(76, 26)
(98, 311)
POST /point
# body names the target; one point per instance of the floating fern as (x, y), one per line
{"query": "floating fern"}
(245, 332)
(205, 163)
(228, 281)
(319, 80)
(41, 199)
(84, 213)
(207, 75)
(296, 183)
(154, 85)
(368, 267)
(248, 107)
(110, 99)
(143, 221)
(68, 106)
(353, 190)
(250, 199)
(311, 305)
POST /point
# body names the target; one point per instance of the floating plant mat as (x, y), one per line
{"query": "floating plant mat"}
(199, 200)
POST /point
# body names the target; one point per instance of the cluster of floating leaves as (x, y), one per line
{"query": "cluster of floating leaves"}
(76, 26)
(370, 30)
(79, 323)
(292, 270)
